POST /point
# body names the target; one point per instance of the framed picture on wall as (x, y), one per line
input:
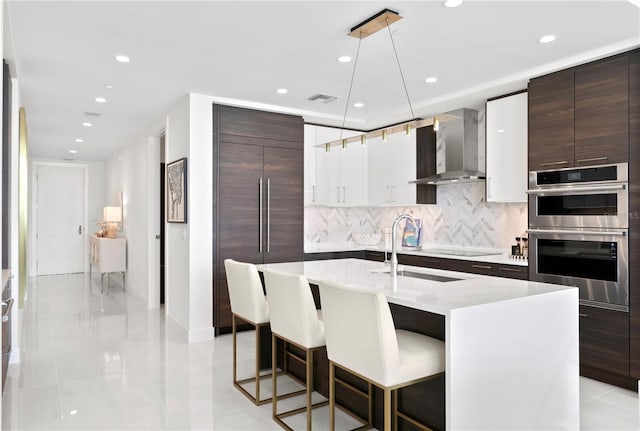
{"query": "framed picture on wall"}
(176, 187)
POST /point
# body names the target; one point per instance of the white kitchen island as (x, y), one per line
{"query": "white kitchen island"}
(511, 346)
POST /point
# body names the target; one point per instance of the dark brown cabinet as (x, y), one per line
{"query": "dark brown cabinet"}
(579, 116)
(604, 340)
(258, 194)
(602, 112)
(551, 121)
(634, 211)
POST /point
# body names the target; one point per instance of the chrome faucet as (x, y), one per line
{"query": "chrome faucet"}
(394, 246)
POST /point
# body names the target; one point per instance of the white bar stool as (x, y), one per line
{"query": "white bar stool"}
(248, 303)
(295, 321)
(362, 339)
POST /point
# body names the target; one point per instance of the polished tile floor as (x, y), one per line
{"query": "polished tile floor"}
(103, 362)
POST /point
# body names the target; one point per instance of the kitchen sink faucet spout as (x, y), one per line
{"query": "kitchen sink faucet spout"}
(394, 245)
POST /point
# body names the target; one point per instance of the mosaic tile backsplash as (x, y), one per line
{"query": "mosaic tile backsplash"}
(461, 217)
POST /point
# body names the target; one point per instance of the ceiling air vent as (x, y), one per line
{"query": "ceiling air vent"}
(92, 114)
(324, 98)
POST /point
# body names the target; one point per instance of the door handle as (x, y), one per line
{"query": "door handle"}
(268, 213)
(260, 215)
(5, 313)
(80, 230)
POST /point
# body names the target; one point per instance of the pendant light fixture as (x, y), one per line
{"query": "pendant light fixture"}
(368, 27)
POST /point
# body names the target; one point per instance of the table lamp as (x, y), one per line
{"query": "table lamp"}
(112, 216)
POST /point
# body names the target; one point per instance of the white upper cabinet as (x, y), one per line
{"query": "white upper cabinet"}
(340, 174)
(507, 175)
(309, 164)
(392, 164)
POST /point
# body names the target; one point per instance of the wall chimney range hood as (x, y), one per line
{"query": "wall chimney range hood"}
(457, 150)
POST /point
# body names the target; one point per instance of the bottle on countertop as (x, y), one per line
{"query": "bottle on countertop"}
(525, 247)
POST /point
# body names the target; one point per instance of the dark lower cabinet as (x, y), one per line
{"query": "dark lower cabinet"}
(258, 161)
(358, 254)
(604, 343)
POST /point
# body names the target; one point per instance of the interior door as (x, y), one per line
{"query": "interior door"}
(60, 230)
(284, 199)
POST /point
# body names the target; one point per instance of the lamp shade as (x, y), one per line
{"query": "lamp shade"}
(112, 214)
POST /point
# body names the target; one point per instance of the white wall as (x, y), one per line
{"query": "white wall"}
(178, 283)
(127, 170)
(201, 217)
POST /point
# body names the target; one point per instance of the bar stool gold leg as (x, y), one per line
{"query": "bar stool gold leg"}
(258, 363)
(309, 381)
(332, 397)
(274, 373)
(394, 396)
(235, 354)
(387, 409)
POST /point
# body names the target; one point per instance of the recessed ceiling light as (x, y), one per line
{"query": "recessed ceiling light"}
(548, 38)
(78, 140)
(101, 99)
(281, 91)
(358, 105)
(87, 124)
(108, 86)
(73, 412)
(344, 59)
(122, 58)
(451, 3)
(500, 130)
(72, 151)
(431, 80)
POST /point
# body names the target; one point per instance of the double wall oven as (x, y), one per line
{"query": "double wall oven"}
(578, 232)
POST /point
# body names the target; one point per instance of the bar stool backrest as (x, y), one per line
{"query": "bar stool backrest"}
(245, 291)
(359, 329)
(293, 312)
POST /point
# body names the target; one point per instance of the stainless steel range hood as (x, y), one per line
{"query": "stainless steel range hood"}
(457, 150)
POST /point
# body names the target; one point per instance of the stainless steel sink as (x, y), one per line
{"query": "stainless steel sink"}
(421, 275)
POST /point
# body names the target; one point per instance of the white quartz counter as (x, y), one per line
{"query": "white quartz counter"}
(440, 297)
(497, 256)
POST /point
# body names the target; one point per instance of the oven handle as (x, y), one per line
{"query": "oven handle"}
(576, 189)
(578, 232)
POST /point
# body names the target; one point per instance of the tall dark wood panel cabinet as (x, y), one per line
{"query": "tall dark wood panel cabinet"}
(634, 211)
(602, 112)
(551, 120)
(258, 162)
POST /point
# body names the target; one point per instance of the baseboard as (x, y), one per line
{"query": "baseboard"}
(615, 379)
(189, 336)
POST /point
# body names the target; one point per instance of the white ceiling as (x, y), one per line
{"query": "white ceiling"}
(63, 53)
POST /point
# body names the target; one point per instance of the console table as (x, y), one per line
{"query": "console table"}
(107, 255)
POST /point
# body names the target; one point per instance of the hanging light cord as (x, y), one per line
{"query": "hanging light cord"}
(404, 84)
(353, 75)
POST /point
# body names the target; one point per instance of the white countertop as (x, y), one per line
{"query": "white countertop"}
(501, 256)
(438, 297)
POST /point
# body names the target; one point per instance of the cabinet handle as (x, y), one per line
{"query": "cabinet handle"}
(313, 195)
(260, 216)
(564, 162)
(80, 230)
(481, 266)
(338, 191)
(510, 269)
(583, 315)
(268, 213)
(344, 194)
(594, 159)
